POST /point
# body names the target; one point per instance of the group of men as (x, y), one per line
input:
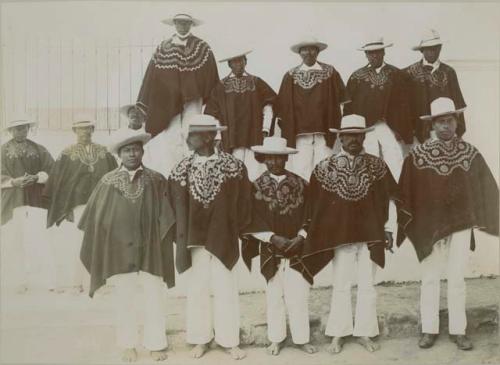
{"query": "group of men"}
(220, 184)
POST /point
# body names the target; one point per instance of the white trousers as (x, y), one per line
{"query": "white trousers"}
(152, 302)
(312, 149)
(350, 262)
(254, 168)
(37, 260)
(450, 254)
(204, 315)
(288, 291)
(66, 251)
(167, 148)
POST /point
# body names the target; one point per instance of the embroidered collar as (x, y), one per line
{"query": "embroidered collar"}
(436, 78)
(434, 65)
(88, 155)
(189, 57)
(131, 190)
(374, 77)
(243, 75)
(233, 84)
(282, 193)
(26, 148)
(443, 158)
(308, 78)
(350, 180)
(378, 69)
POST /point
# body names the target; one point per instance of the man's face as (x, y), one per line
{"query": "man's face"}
(183, 26)
(275, 163)
(309, 54)
(352, 143)
(131, 155)
(445, 127)
(375, 58)
(19, 133)
(83, 134)
(237, 65)
(431, 54)
(198, 140)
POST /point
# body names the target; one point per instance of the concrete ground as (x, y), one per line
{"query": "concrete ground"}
(43, 327)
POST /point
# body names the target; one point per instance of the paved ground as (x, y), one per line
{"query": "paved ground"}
(46, 327)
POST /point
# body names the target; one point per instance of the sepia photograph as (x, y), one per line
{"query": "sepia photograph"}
(249, 182)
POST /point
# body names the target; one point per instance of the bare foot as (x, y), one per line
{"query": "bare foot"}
(160, 355)
(129, 355)
(237, 353)
(273, 349)
(368, 344)
(336, 346)
(199, 350)
(308, 348)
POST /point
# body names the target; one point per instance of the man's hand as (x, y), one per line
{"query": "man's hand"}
(389, 241)
(280, 242)
(23, 181)
(295, 246)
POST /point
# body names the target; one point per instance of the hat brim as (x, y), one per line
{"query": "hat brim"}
(125, 108)
(83, 124)
(296, 47)
(19, 123)
(432, 43)
(170, 21)
(264, 151)
(375, 47)
(236, 56)
(143, 138)
(195, 129)
(351, 130)
(431, 117)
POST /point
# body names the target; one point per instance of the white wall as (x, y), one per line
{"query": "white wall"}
(473, 49)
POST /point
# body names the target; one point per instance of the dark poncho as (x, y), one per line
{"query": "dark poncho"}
(26, 157)
(175, 75)
(445, 188)
(73, 178)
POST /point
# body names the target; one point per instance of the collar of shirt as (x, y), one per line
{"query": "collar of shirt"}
(180, 40)
(198, 159)
(377, 70)
(349, 156)
(233, 75)
(316, 66)
(131, 173)
(434, 65)
(278, 178)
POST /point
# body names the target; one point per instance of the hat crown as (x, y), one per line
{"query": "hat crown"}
(353, 121)
(374, 41)
(83, 119)
(442, 106)
(274, 143)
(429, 35)
(203, 120)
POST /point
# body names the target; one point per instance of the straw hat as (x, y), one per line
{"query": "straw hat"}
(234, 53)
(274, 146)
(440, 107)
(308, 41)
(125, 108)
(125, 136)
(375, 44)
(18, 120)
(83, 120)
(430, 38)
(352, 123)
(170, 21)
(204, 123)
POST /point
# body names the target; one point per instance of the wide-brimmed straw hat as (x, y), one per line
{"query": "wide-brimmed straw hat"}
(375, 44)
(352, 123)
(308, 41)
(442, 106)
(126, 136)
(274, 146)
(182, 16)
(234, 53)
(430, 38)
(124, 109)
(204, 123)
(83, 120)
(18, 120)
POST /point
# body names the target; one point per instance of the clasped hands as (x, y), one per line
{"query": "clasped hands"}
(25, 180)
(287, 247)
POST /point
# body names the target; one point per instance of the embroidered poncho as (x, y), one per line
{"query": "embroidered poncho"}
(380, 96)
(309, 102)
(349, 203)
(445, 187)
(125, 228)
(175, 75)
(423, 87)
(19, 158)
(278, 207)
(74, 177)
(238, 102)
(211, 201)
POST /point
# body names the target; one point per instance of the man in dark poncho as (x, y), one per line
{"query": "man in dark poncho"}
(25, 169)
(210, 194)
(74, 176)
(447, 191)
(376, 92)
(243, 103)
(177, 83)
(308, 104)
(349, 195)
(125, 226)
(278, 215)
(429, 79)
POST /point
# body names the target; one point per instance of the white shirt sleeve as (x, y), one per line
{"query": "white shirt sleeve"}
(268, 117)
(7, 184)
(391, 224)
(42, 177)
(302, 233)
(263, 236)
